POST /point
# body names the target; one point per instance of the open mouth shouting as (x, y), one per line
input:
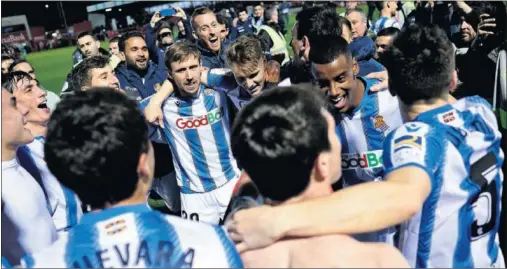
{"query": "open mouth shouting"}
(44, 107)
(339, 101)
(214, 42)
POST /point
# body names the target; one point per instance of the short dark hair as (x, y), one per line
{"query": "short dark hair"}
(11, 79)
(5, 57)
(115, 39)
(19, 61)
(81, 73)
(83, 34)
(317, 21)
(277, 138)
(242, 8)
(93, 144)
(420, 63)
(328, 49)
(180, 51)
(125, 37)
(389, 31)
(221, 19)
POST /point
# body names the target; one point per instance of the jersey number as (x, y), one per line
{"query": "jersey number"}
(485, 203)
(193, 216)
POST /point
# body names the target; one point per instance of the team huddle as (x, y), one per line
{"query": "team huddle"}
(347, 171)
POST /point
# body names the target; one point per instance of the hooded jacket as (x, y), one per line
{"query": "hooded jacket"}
(363, 50)
(139, 87)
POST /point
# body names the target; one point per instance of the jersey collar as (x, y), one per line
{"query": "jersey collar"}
(431, 115)
(94, 217)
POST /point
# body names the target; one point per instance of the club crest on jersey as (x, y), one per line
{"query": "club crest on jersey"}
(115, 227)
(380, 124)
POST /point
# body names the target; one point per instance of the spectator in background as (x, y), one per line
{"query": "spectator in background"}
(6, 63)
(310, 22)
(346, 29)
(363, 51)
(271, 35)
(349, 5)
(139, 76)
(224, 27)
(258, 17)
(181, 29)
(285, 11)
(241, 25)
(23, 65)
(467, 30)
(387, 18)
(384, 39)
(113, 46)
(359, 23)
(77, 56)
(483, 52)
(159, 35)
(207, 30)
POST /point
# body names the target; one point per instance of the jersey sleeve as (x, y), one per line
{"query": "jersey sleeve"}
(221, 79)
(155, 133)
(232, 255)
(413, 144)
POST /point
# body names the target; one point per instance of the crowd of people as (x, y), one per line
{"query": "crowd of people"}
(372, 143)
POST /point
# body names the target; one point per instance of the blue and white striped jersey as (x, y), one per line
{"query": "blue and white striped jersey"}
(134, 236)
(362, 135)
(197, 131)
(64, 203)
(384, 22)
(222, 79)
(459, 148)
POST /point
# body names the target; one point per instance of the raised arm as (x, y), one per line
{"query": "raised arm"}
(153, 111)
(363, 208)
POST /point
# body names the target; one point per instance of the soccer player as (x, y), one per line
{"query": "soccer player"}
(196, 126)
(23, 198)
(97, 145)
(245, 80)
(364, 117)
(443, 171)
(303, 165)
(93, 72)
(63, 203)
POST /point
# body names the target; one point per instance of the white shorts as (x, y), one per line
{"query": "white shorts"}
(207, 207)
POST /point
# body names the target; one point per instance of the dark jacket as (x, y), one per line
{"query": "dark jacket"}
(133, 84)
(211, 59)
(242, 28)
(297, 72)
(156, 53)
(363, 50)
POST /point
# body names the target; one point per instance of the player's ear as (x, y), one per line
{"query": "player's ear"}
(355, 67)
(321, 167)
(143, 168)
(454, 82)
